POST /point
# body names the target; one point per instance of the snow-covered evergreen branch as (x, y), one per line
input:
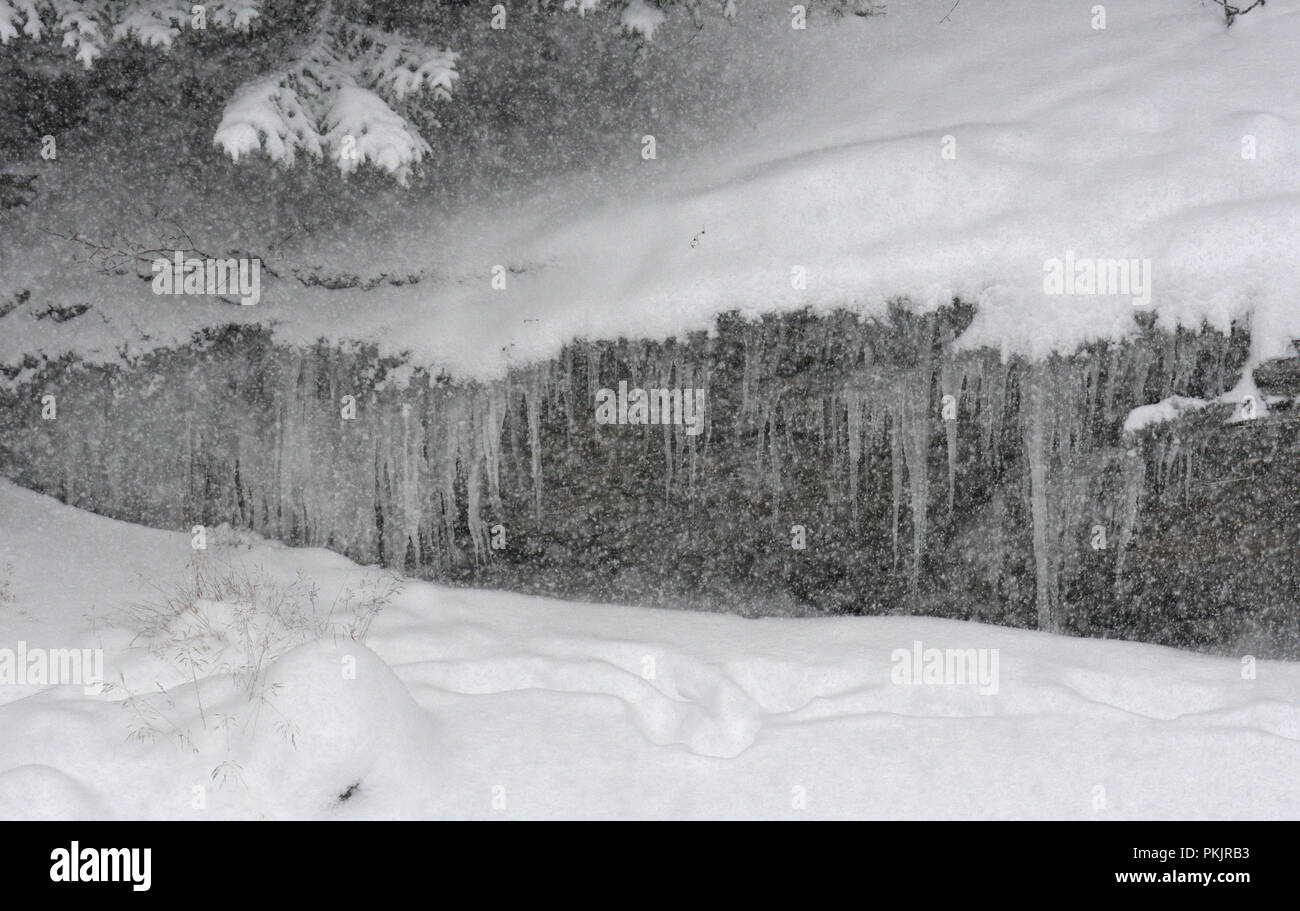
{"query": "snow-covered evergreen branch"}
(335, 98)
(343, 93)
(88, 27)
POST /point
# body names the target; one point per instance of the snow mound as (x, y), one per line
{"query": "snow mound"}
(346, 722)
(44, 792)
(327, 730)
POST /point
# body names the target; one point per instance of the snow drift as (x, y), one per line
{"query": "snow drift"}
(486, 705)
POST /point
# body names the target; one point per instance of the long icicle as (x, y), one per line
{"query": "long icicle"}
(853, 399)
(896, 465)
(1036, 452)
(949, 386)
(473, 482)
(535, 440)
(1135, 466)
(916, 424)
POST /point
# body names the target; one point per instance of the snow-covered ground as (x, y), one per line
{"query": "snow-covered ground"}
(942, 149)
(476, 704)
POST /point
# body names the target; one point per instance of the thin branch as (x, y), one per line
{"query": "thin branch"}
(115, 253)
(1231, 12)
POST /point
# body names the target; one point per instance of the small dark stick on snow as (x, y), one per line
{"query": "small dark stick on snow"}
(1231, 12)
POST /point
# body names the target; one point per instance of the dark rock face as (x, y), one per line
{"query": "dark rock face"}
(839, 466)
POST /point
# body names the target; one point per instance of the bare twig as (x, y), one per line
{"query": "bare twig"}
(1231, 12)
(113, 254)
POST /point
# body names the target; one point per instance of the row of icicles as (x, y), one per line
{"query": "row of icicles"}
(275, 456)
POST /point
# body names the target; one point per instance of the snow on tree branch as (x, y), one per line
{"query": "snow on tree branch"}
(151, 24)
(268, 111)
(582, 6)
(363, 128)
(80, 31)
(22, 12)
(340, 95)
(641, 18)
(334, 99)
(401, 66)
(80, 27)
(87, 26)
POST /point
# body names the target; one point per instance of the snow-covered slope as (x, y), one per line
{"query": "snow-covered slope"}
(482, 704)
(1162, 136)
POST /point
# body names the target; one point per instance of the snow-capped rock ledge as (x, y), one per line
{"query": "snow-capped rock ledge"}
(894, 157)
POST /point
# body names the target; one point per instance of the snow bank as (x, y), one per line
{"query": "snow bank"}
(890, 156)
(474, 704)
(348, 724)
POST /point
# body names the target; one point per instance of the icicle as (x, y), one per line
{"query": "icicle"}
(991, 380)
(681, 447)
(665, 382)
(967, 375)
(919, 472)
(708, 411)
(896, 465)
(535, 440)
(698, 453)
(1168, 363)
(1142, 367)
(1220, 368)
(414, 469)
(593, 353)
(747, 377)
(1036, 444)
(451, 429)
(1110, 388)
(1088, 406)
(1134, 482)
(948, 387)
(473, 494)
(916, 424)
(853, 399)
(690, 497)
(429, 522)
(570, 421)
(829, 433)
(774, 452)
(1094, 381)
(491, 430)
(1072, 434)
(1001, 396)
(516, 426)
(827, 404)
